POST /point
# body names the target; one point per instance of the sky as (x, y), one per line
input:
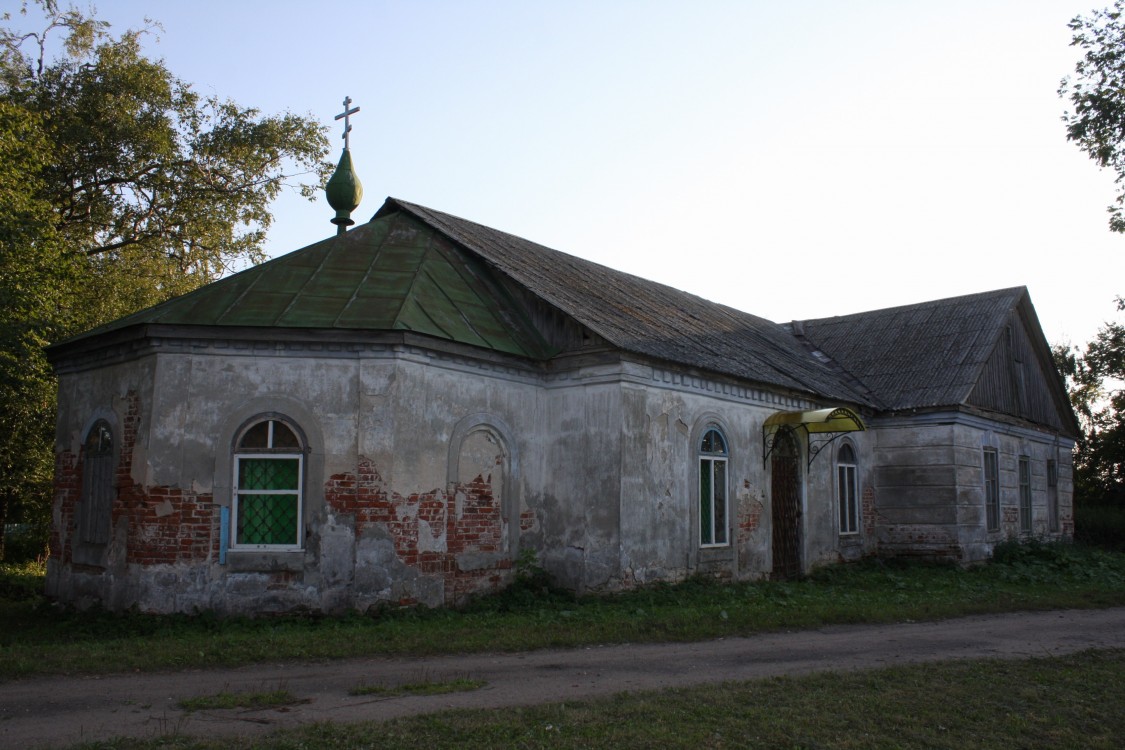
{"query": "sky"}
(791, 159)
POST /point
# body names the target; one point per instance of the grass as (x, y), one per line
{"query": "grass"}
(1059, 702)
(225, 700)
(37, 638)
(22, 582)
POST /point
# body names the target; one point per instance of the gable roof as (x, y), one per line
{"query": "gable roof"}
(940, 353)
(927, 354)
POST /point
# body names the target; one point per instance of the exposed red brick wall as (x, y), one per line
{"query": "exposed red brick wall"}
(68, 487)
(476, 527)
(867, 509)
(165, 524)
(749, 516)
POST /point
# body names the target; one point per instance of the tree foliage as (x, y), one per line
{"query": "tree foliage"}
(120, 186)
(1095, 380)
(1097, 94)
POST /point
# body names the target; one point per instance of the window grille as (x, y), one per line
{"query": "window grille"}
(992, 489)
(269, 475)
(846, 490)
(1025, 494)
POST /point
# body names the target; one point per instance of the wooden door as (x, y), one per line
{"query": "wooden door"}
(786, 505)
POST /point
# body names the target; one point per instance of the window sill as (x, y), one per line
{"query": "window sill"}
(716, 554)
(265, 561)
(90, 554)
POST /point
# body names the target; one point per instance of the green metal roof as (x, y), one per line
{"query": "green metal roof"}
(392, 274)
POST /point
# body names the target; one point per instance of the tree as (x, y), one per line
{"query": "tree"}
(1097, 94)
(1094, 378)
(33, 269)
(120, 186)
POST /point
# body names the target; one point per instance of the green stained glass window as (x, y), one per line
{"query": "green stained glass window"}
(268, 482)
(720, 492)
(268, 473)
(267, 519)
(712, 489)
(706, 524)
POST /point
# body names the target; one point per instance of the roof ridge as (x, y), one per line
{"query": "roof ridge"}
(1015, 291)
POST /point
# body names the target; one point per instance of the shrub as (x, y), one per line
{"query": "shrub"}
(1100, 525)
(21, 582)
(24, 542)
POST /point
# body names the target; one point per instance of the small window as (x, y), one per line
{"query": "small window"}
(991, 489)
(846, 486)
(713, 490)
(97, 485)
(268, 481)
(1025, 494)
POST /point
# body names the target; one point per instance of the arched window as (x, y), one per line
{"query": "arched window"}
(846, 489)
(713, 489)
(268, 497)
(97, 484)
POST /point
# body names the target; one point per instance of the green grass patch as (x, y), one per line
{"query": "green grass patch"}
(1072, 701)
(22, 582)
(249, 700)
(421, 687)
(37, 638)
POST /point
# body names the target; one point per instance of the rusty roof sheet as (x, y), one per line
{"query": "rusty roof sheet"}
(924, 355)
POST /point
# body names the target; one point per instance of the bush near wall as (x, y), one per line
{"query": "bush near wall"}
(1100, 524)
(24, 542)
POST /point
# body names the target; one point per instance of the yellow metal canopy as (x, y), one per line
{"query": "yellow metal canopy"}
(837, 420)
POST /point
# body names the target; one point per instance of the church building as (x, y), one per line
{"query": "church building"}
(393, 415)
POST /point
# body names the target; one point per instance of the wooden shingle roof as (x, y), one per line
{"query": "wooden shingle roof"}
(415, 269)
(645, 317)
(924, 355)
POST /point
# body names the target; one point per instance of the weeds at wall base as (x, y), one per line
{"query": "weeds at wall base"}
(36, 637)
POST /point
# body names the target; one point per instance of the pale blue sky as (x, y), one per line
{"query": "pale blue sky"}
(792, 159)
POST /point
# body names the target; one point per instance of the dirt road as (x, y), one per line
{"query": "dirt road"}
(53, 712)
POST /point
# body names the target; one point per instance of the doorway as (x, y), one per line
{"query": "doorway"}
(785, 492)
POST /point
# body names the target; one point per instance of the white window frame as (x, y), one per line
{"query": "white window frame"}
(707, 462)
(298, 492)
(847, 492)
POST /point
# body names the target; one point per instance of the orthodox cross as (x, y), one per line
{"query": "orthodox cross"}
(347, 123)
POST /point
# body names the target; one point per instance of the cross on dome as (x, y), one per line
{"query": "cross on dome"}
(346, 115)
